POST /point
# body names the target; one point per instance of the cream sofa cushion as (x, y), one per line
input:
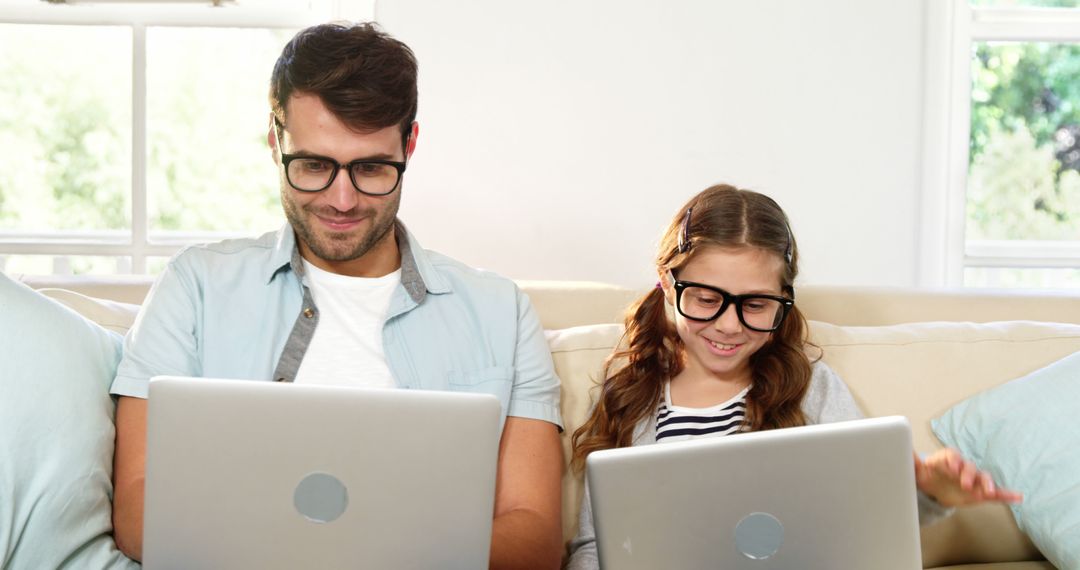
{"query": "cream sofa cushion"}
(111, 315)
(579, 354)
(920, 370)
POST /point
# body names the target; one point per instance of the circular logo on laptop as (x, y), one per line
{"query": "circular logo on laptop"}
(320, 497)
(759, 535)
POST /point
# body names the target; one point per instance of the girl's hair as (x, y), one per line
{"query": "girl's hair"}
(652, 351)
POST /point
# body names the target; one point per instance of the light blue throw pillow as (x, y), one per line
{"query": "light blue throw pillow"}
(56, 435)
(1026, 433)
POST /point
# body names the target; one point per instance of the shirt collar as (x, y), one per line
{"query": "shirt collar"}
(282, 253)
(418, 274)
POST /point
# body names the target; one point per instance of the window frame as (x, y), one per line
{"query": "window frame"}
(137, 245)
(952, 26)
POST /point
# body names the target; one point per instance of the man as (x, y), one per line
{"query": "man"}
(344, 293)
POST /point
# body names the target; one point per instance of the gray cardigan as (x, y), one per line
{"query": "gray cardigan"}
(827, 400)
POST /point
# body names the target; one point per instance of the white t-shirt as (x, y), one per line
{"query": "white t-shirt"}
(347, 347)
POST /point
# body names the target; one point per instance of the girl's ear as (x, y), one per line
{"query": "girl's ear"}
(668, 287)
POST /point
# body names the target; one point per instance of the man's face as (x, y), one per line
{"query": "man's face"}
(337, 226)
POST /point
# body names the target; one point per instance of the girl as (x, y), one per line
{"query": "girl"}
(733, 357)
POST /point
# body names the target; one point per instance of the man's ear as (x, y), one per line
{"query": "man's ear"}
(414, 132)
(271, 139)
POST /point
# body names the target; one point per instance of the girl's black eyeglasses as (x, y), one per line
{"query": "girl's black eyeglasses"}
(703, 303)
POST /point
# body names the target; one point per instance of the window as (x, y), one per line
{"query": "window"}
(1009, 182)
(131, 130)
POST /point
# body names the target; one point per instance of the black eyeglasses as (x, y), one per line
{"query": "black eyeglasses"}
(313, 173)
(703, 303)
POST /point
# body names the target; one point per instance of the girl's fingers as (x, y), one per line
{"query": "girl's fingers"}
(948, 467)
(1009, 496)
(967, 476)
(953, 461)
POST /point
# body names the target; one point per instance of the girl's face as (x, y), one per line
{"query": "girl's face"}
(721, 348)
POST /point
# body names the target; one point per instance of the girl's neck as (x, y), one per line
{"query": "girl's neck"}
(700, 389)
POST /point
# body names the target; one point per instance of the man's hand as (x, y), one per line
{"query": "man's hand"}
(954, 482)
(527, 529)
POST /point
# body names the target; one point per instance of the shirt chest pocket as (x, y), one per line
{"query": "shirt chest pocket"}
(496, 380)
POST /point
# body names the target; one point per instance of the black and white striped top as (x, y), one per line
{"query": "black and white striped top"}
(676, 423)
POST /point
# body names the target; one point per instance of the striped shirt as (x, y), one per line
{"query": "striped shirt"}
(677, 423)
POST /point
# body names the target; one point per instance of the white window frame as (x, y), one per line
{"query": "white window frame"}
(951, 28)
(137, 244)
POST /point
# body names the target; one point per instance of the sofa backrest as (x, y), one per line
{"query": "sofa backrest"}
(123, 288)
(563, 304)
(918, 369)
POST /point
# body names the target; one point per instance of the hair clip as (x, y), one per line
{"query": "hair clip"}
(684, 234)
(787, 250)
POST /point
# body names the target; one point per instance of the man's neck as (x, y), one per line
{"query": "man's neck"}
(382, 259)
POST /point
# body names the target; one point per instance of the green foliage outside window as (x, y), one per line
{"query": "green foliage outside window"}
(65, 127)
(209, 166)
(1024, 175)
(66, 124)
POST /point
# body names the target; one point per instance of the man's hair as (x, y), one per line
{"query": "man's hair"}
(366, 78)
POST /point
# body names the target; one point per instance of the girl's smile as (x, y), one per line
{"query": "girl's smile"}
(722, 349)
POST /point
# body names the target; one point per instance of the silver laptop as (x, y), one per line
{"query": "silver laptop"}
(832, 496)
(246, 474)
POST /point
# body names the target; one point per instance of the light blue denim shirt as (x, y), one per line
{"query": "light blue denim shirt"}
(239, 309)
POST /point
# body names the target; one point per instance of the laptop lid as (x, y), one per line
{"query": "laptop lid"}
(247, 474)
(839, 495)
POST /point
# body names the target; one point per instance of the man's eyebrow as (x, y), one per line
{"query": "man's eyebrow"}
(379, 156)
(375, 156)
(306, 154)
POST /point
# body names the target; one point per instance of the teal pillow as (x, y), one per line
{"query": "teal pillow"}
(1026, 433)
(56, 435)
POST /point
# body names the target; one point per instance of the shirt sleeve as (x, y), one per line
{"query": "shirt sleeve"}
(162, 340)
(828, 399)
(535, 393)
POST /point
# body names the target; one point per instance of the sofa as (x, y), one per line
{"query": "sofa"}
(905, 351)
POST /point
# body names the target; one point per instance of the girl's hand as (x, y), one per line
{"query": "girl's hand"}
(953, 481)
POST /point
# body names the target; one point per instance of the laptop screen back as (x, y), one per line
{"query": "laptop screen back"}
(836, 495)
(245, 474)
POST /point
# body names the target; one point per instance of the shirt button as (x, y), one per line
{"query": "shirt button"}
(308, 313)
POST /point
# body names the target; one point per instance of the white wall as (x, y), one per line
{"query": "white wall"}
(558, 137)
